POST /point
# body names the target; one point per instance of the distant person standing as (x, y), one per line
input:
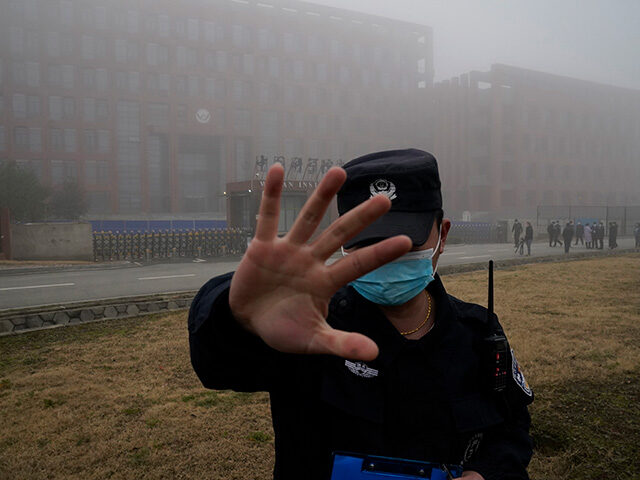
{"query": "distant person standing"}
(528, 237)
(550, 231)
(587, 235)
(567, 235)
(600, 235)
(579, 233)
(636, 234)
(613, 235)
(517, 231)
(557, 230)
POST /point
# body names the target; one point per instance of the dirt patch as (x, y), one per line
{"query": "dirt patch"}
(119, 399)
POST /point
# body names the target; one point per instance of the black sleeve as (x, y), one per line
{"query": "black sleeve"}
(505, 451)
(223, 354)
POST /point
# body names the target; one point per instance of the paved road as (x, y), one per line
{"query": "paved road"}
(31, 289)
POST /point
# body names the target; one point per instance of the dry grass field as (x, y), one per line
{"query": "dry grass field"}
(119, 399)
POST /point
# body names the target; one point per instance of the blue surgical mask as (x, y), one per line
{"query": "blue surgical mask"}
(399, 281)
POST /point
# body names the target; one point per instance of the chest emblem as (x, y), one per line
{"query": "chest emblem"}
(361, 369)
(518, 375)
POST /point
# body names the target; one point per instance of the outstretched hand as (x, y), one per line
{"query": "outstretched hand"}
(282, 287)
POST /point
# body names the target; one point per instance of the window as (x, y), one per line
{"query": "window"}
(68, 72)
(157, 54)
(2, 140)
(181, 84)
(63, 170)
(163, 25)
(101, 18)
(66, 12)
(19, 105)
(33, 106)
(158, 114)
(88, 47)
(35, 139)
(19, 74)
(102, 110)
(221, 60)
(102, 79)
(57, 139)
(55, 108)
(70, 144)
(66, 44)
(89, 109)
(120, 50)
(68, 108)
(90, 142)
(16, 40)
(33, 74)
(132, 21)
(89, 78)
(247, 64)
(104, 141)
(242, 120)
(193, 87)
(20, 138)
(134, 81)
(210, 32)
(192, 29)
(274, 67)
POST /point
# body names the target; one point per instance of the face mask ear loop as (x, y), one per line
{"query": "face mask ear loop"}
(344, 254)
(435, 269)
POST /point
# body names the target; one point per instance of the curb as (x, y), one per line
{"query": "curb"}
(21, 320)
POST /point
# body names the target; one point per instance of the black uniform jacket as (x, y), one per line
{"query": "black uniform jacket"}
(426, 399)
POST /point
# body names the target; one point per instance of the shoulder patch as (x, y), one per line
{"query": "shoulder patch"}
(518, 375)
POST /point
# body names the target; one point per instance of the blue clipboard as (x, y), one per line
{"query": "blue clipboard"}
(354, 466)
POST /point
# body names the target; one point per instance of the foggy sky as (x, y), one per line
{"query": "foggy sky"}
(596, 40)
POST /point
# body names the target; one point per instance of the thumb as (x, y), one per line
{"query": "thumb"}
(353, 346)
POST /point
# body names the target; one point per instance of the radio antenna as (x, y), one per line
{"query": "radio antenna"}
(490, 300)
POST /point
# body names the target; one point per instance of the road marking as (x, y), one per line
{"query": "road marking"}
(168, 276)
(475, 256)
(499, 250)
(451, 253)
(39, 286)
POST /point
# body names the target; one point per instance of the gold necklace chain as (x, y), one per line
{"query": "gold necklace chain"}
(425, 318)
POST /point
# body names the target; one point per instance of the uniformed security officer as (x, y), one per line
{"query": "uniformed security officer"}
(398, 365)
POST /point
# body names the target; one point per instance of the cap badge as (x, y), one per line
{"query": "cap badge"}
(383, 187)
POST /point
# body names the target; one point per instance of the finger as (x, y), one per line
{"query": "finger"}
(267, 224)
(366, 259)
(311, 214)
(350, 224)
(353, 346)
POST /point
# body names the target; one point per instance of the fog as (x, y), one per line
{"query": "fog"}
(594, 40)
(160, 110)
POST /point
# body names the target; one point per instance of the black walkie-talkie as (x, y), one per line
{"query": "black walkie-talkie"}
(497, 345)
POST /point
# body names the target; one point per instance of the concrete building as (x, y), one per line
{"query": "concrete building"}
(157, 105)
(511, 139)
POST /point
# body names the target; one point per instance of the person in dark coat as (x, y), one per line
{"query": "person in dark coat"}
(613, 235)
(579, 233)
(517, 231)
(528, 237)
(567, 234)
(601, 233)
(550, 232)
(557, 230)
(366, 354)
(636, 234)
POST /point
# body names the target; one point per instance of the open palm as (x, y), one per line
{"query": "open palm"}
(282, 288)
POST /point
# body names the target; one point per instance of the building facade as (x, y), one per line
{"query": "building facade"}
(511, 139)
(154, 106)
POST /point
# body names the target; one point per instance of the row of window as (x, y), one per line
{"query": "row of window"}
(64, 75)
(61, 140)
(23, 41)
